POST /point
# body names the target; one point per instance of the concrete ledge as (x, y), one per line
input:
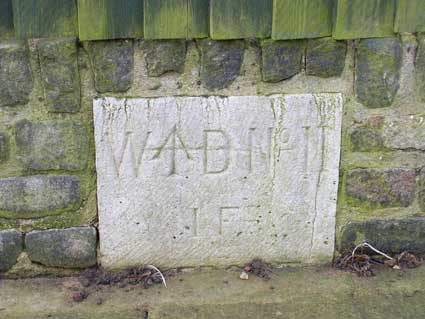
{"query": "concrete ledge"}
(300, 293)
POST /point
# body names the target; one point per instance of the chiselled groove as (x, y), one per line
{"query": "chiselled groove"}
(267, 153)
(195, 221)
(172, 137)
(225, 147)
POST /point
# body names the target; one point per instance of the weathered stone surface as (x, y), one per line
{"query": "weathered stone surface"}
(52, 145)
(405, 133)
(113, 65)
(389, 188)
(378, 71)
(325, 57)
(392, 236)
(420, 67)
(35, 196)
(217, 181)
(66, 248)
(220, 63)
(421, 189)
(60, 75)
(10, 248)
(365, 139)
(164, 56)
(281, 60)
(15, 74)
(4, 147)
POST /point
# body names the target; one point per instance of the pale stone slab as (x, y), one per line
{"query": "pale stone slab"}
(188, 181)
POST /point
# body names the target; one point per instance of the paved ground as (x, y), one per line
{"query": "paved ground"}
(298, 293)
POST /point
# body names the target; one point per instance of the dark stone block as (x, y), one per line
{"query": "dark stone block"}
(391, 236)
(378, 71)
(164, 56)
(281, 60)
(220, 63)
(4, 147)
(66, 248)
(52, 145)
(325, 57)
(390, 188)
(60, 75)
(10, 248)
(15, 74)
(37, 196)
(113, 63)
(366, 140)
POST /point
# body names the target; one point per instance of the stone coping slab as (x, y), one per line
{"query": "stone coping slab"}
(310, 293)
(191, 181)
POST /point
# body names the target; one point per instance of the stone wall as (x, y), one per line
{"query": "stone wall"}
(48, 209)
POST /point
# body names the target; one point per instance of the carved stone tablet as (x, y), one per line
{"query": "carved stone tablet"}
(189, 181)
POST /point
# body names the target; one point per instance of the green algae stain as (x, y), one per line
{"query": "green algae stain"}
(301, 19)
(110, 19)
(45, 18)
(238, 19)
(166, 19)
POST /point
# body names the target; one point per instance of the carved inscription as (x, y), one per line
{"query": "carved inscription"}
(216, 149)
(189, 181)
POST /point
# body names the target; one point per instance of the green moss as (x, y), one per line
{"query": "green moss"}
(45, 18)
(357, 19)
(301, 19)
(6, 19)
(239, 19)
(410, 16)
(110, 19)
(165, 19)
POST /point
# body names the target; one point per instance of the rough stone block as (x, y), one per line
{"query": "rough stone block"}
(52, 145)
(365, 139)
(113, 65)
(389, 188)
(189, 181)
(220, 63)
(325, 57)
(378, 71)
(36, 196)
(10, 248)
(15, 74)
(393, 236)
(4, 147)
(66, 248)
(405, 133)
(165, 56)
(420, 67)
(60, 75)
(421, 189)
(281, 60)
